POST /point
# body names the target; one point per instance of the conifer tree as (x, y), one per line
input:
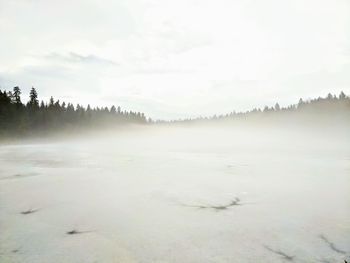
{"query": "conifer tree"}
(33, 98)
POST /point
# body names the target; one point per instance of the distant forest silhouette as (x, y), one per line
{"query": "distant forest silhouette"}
(330, 108)
(17, 118)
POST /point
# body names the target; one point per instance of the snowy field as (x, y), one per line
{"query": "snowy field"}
(177, 195)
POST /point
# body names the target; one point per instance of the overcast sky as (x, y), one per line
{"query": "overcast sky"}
(176, 58)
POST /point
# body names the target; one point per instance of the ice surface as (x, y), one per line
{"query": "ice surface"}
(146, 197)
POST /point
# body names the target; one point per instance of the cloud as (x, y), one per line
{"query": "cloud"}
(186, 56)
(161, 71)
(73, 57)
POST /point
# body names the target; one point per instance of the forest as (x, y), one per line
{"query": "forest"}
(310, 111)
(34, 117)
(17, 118)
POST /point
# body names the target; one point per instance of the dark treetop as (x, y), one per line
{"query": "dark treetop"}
(39, 118)
(17, 118)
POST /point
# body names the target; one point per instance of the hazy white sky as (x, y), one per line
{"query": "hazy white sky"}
(176, 58)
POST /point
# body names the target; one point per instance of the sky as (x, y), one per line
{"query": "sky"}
(176, 58)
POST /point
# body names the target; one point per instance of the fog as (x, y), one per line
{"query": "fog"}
(174, 193)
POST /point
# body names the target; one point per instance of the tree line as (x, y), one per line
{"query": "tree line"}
(331, 106)
(17, 118)
(34, 117)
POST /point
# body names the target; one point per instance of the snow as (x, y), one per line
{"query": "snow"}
(136, 195)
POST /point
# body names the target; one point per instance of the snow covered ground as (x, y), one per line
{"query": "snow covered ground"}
(161, 195)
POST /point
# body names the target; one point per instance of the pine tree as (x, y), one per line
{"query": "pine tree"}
(342, 95)
(51, 103)
(113, 110)
(277, 107)
(17, 95)
(33, 98)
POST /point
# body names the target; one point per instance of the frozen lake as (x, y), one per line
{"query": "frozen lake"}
(161, 195)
